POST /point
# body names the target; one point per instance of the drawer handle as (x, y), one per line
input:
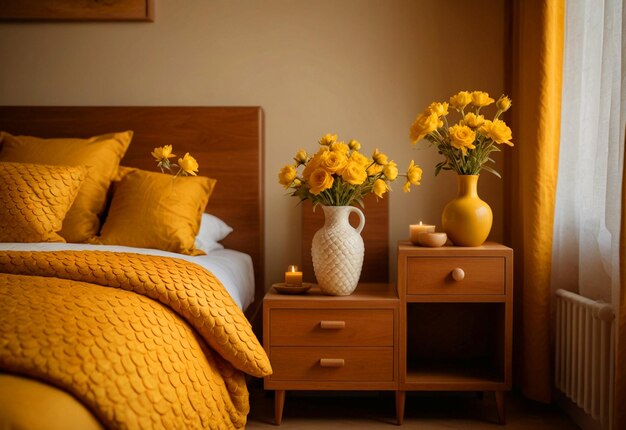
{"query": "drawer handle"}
(332, 362)
(332, 325)
(458, 274)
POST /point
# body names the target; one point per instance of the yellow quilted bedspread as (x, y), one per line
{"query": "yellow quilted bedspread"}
(124, 351)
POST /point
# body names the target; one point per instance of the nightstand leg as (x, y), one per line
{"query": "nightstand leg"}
(400, 400)
(279, 403)
(500, 406)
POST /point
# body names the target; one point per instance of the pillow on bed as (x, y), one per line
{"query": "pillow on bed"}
(155, 210)
(212, 230)
(101, 154)
(34, 200)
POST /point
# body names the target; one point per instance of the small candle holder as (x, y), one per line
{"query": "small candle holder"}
(432, 240)
(293, 277)
(416, 229)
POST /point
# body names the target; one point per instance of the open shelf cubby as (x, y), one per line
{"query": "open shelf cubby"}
(455, 346)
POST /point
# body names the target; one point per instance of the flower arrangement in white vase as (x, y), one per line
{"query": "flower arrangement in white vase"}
(337, 176)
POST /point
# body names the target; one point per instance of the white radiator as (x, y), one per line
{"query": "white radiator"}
(585, 351)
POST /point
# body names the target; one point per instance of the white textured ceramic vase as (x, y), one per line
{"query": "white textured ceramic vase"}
(337, 250)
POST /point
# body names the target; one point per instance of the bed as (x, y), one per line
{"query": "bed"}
(152, 298)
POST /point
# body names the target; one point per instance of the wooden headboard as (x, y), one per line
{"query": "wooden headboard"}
(226, 141)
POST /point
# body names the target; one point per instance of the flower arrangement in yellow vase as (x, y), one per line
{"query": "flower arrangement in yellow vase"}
(466, 145)
(338, 174)
(186, 166)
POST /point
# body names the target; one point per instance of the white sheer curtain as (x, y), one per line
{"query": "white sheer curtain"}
(587, 216)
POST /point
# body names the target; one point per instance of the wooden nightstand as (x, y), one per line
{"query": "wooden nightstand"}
(318, 342)
(456, 320)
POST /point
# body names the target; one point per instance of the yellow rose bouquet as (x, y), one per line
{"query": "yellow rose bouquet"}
(338, 174)
(186, 166)
(466, 145)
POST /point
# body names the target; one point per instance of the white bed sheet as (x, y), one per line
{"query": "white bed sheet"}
(233, 268)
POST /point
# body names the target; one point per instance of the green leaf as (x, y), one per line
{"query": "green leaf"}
(490, 170)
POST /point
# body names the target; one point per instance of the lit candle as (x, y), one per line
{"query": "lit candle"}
(293, 278)
(432, 240)
(417, 229)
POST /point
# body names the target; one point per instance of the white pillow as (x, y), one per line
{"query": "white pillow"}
(212, 230)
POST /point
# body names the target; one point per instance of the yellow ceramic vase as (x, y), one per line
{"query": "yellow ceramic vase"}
(467, 219)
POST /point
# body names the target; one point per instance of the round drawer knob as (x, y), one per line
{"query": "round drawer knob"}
(458, 274)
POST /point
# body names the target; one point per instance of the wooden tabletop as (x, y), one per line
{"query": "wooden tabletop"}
(363, 292)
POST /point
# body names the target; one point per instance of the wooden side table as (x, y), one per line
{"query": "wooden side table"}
(456, 320)
(318, 342)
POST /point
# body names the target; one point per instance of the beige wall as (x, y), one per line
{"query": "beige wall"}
(359, 68)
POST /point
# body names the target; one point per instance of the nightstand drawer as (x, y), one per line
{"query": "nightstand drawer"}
(436, 275)
(331, 327)
(332, 364)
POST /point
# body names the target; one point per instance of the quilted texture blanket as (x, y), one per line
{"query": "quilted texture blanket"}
(127, 334)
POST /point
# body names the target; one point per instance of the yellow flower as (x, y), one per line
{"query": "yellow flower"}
(323, 149)
(406, 187)
(333, 161)
(301, 157)
(461, 99)
(361, 159)
(485, 128)
(473, 120)
(481, 99)
(354, 173)
(313, 164)
(328, 139)
(337, 173)
(163, 153)
(466, 145)
(413, 174)
(425, 123)
(391, 171)
(287, 175)
(503, 104)
(462, 137)
(319, 181)
(339, 147)
(188, 164)
(354, 145)
(380, 187)
(379, 158)
(497, 131)
(441, 109)
(374, 169)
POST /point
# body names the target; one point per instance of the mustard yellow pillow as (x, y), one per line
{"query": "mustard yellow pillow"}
(34, 200)
(101, 154)
(155, 210)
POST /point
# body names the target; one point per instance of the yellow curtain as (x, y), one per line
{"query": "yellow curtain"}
(620, 357)
(538, 31)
